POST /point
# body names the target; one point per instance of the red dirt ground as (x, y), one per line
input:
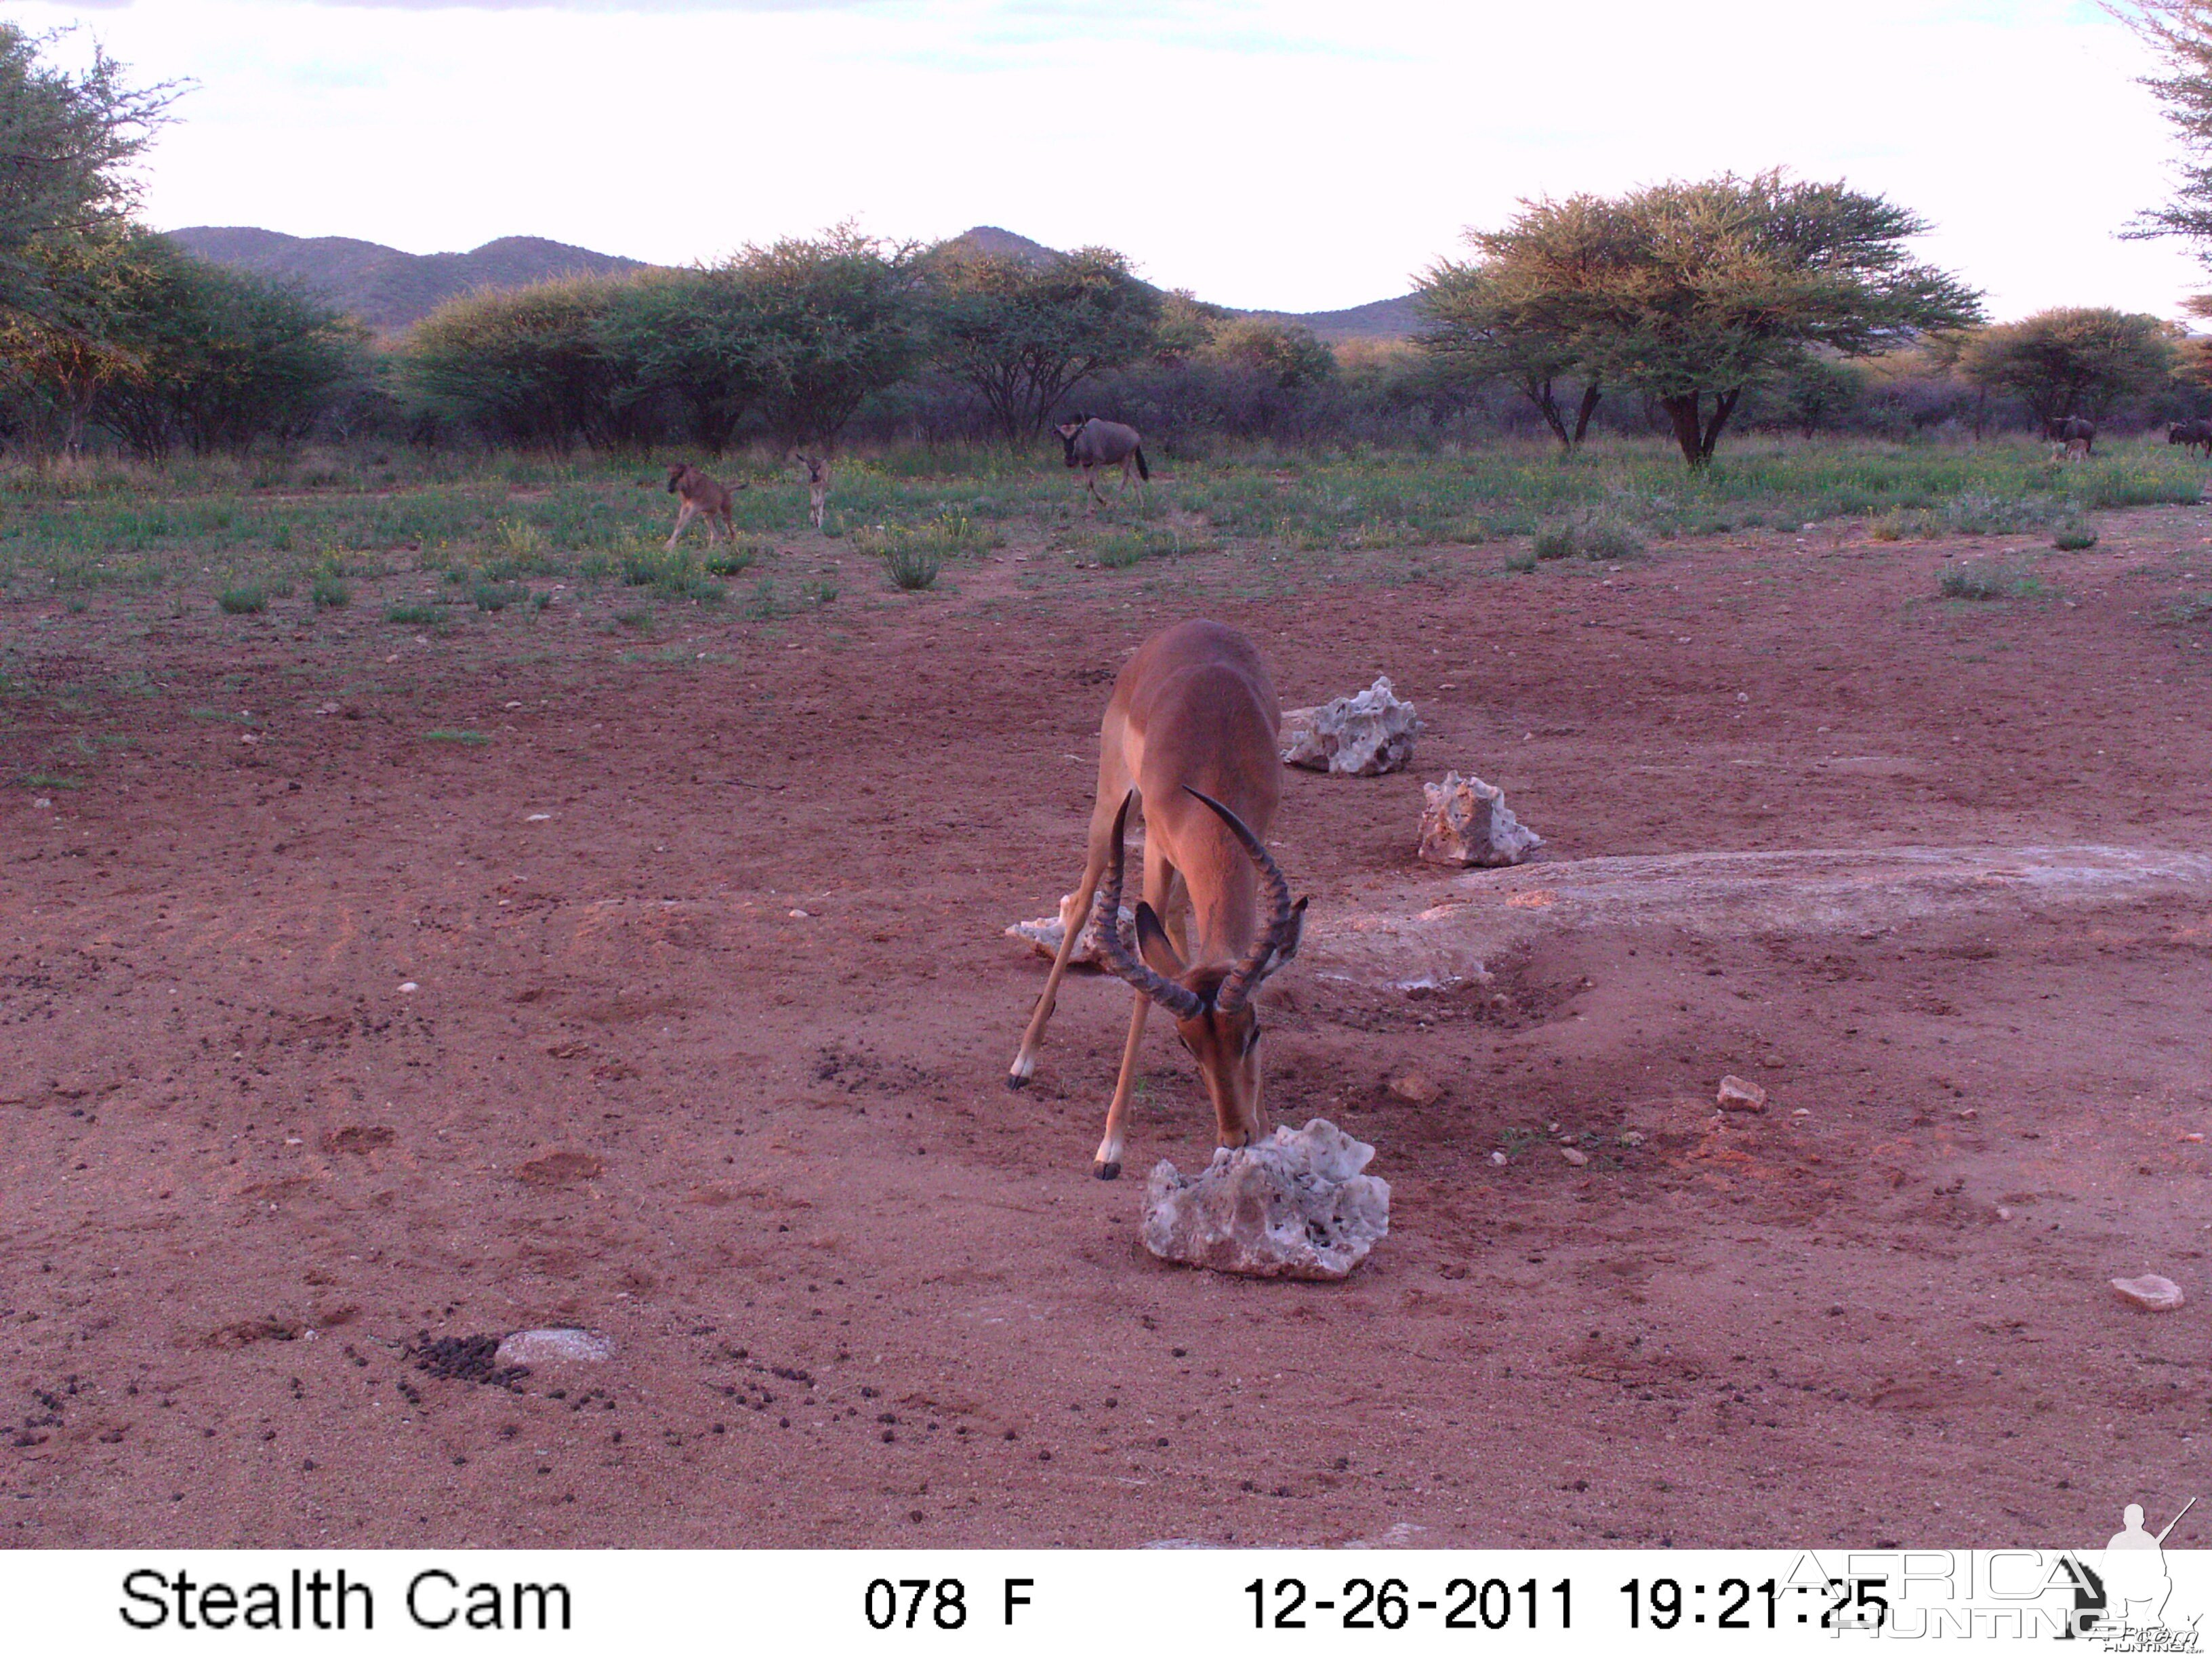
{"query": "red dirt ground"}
(863, 1294)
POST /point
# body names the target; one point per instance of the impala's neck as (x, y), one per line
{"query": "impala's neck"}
(1223, 913)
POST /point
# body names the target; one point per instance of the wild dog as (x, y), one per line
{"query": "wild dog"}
(701, 494)
(1091, 443)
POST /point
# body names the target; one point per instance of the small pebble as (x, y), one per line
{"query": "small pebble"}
(800, 915)
(2150, 1292)
(537, 818)
(1738, 1096)
(1574, 1155)
(1499, 1158)
(1415, 1088)
(408, 987)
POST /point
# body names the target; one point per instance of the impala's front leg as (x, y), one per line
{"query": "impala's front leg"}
(1106, 1163)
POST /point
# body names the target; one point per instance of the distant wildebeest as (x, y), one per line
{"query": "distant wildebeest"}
(701, 494)
(2068, 430)
(2196, 434)
(1091, 443)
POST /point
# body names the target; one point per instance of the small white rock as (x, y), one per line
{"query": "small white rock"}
(800, 915)
(1294, 1205)
(1574, 1155)
(44, 803)
(555, 1346)
(408, 987)
(2151, 1293)
(1466, 822)
(539, 818)
(1500, 1159)
(1738, 1096)
(1362, 735)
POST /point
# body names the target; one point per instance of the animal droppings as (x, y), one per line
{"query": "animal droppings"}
(1738, 1096)
(2150, 1292)
(1294, 1205)
(1360, 736)
(1467, 824)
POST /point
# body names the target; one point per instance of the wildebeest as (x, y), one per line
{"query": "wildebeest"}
(701, 494)
(2196, 434)
(2071, 430)
(1091, 443)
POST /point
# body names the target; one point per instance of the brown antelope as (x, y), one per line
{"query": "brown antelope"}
(1191, 731)
(1091, 443)
(817, 483)
(701, 494)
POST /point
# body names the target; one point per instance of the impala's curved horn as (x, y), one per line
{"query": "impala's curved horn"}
(1113, 951)
(1279, 939)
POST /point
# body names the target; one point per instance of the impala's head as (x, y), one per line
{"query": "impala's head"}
(676, 474)
(1211, 1006)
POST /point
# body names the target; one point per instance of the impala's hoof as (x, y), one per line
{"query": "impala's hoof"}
(1105, 1171)
(1016, 1080)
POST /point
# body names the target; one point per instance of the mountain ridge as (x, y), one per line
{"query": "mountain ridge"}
(389, 289)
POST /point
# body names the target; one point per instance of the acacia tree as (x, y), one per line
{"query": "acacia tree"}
(1492, 318)
(2071, 361)
(1024, 336)
(65, 141)
(824, 322)
(528, 366)
(1692, 293)
(2180, 31)
(688, 334)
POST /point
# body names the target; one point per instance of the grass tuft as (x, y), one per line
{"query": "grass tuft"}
(247, 601)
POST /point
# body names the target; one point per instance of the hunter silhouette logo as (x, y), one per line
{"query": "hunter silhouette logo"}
(2127, 1599)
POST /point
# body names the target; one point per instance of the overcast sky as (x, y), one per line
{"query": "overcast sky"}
(1296, 155)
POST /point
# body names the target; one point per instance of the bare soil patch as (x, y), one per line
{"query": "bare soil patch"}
(711, 1009)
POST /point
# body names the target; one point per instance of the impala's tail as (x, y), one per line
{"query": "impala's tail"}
(1143, 471)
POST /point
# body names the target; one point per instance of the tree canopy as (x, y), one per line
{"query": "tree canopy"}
(2072, 361)
(1026, 334)
(2181, 33)
(1695, 292)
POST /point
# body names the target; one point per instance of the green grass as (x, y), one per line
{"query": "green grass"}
(497, 596)
(329, 593)
(1967, 581)
(247, 601)
(446, 735)
(51, 780)
(412, 615)
(212, 525)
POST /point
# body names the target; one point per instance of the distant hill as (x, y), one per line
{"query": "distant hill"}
(389, 289)
(382, 286)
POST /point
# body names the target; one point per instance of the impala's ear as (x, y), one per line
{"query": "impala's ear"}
(1289, 947)
(1154, 945)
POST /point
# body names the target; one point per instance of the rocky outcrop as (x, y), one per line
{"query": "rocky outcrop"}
(1363, 735)
(1467, 823)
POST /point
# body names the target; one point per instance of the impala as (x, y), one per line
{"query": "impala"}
(1190, 731)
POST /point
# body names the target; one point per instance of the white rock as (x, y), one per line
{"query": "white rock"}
(1574, 1155)
(1294, 1205)
(1738, 1096)
(1466, 822)
(556, 1345)
(2151, 1292)
(408, 987)
(1362, 735)
(1044, 934)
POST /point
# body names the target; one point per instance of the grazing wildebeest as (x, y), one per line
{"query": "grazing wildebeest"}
(701, 494)
(2196, 434)
(817, 483)
(1091, 443)
(1190, 731)
(2071, 430)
